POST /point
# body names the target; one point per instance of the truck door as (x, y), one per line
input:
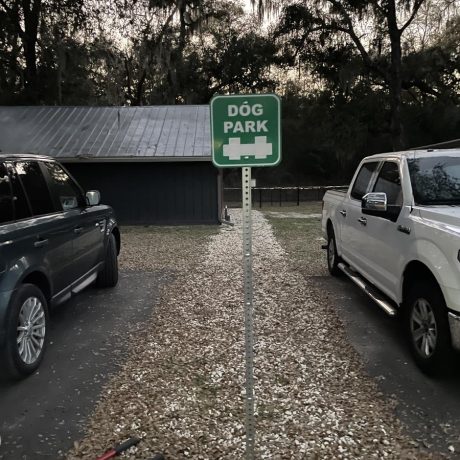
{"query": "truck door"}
(351, 218)
(386, 235)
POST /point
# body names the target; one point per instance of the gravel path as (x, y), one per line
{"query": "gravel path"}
(182, 391)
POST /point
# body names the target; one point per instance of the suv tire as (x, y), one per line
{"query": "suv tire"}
(108, 277)
(26, 332)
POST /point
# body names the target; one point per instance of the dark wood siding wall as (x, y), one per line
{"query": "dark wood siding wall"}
(154, 193)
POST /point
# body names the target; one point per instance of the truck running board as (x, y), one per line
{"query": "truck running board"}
(369, 290)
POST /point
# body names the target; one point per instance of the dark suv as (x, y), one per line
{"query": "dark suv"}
(54, 241)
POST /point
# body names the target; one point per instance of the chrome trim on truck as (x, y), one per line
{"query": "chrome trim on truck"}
(454, 323)
(372, 293)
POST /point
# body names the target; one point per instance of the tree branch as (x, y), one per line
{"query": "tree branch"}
(421, 85)
(13, 17)
(417, 5)
(156, 43)
(166, 25)
(411, 93)
(7, 8)
(379, 8)
(356, 40)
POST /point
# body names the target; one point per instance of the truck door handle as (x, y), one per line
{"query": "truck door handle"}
(41, 243)
(78, 230)
(403, 229)
(362, 221)
(343, 212)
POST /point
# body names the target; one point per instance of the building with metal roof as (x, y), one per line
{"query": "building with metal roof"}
(152, 163)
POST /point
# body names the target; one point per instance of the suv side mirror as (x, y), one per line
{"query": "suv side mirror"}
(93, 197)
(374, 202)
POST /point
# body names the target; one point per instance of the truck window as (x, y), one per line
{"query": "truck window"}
(435, 180)
(63, 187)
(389, 182)
(35, 187)
(362, 180)
(6, 201)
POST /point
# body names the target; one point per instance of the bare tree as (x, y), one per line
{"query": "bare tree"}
(361, 21)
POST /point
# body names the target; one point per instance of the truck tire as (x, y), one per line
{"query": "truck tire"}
(427, 327)
(332, 258)
(25, 333)
(108, 276)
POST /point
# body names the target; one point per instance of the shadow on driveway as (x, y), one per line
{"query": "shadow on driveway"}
(42, 416)
(429, 407)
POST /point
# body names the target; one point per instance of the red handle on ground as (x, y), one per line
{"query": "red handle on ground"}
(109, 454)
(119, 449)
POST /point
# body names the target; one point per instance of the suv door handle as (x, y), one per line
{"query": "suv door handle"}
(78, 230)
(41, 242)
(362, 221)
(343, 212)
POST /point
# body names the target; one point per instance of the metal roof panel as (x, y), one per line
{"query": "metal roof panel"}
(180, 131)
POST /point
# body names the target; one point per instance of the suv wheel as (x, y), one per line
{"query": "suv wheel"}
(427, 327)
(108, 277)
(26, 331)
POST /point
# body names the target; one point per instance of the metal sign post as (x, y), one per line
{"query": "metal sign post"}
(248, 323)
(246, 132)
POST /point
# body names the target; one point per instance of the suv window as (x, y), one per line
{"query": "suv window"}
(6, 202)
(35, 186)
(20, 204)
(389, 182)
(63, 187)
(362, 180)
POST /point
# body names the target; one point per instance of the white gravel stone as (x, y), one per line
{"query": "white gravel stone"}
(182, 390)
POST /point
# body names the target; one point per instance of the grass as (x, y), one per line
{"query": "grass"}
(301, 237)
(296, 228)
(307, 207)
(310, 206)
(156, 247)
(193, 231)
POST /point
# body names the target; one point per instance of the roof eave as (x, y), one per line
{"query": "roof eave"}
(132, 159)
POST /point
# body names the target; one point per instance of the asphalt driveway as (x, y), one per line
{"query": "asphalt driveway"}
(429, 407)
(42, 416)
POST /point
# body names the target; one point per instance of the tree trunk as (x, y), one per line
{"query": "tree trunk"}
(129, 82)
(60, 67)
(395, 79)
(31, 9)
(30, 57)
(138, 98)
(177, 58)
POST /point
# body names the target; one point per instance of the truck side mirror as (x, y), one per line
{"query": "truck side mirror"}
(376, 202)
(93, 197)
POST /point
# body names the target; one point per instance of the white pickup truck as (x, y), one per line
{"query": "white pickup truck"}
(396, 234)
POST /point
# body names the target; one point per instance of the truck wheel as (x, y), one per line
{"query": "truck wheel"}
(25, 333)
(427, 327)
(108, 277)
(332, 257)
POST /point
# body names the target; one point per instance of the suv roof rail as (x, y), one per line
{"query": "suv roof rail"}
(5, 155)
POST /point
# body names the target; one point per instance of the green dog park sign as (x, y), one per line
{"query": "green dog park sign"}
(246, 130)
